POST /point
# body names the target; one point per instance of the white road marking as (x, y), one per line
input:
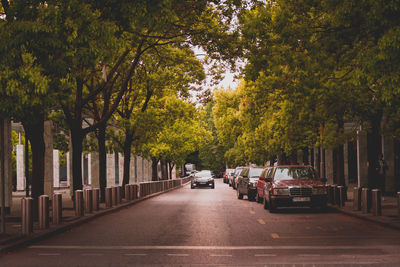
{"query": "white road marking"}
(274, 235)
(252, 212)
(49, 254)
(204, 247)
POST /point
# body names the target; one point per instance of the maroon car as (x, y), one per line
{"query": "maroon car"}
(293, 185)
(261, 184)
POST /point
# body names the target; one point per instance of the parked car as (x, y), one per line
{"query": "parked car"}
(261, 184)
(227, 173)
(294, 185)
(202, 178)
(247, 182)
(235, 174)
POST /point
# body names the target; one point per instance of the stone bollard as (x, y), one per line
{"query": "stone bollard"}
(79, 204)
(127, 192)
(44, 212)
(333, 194)
(398, 204)
(96, 198)
(114, 196)
(57, 208)
(119, 194)
(134, 191)
(88, 200)
(376, 202)
(109, 202)
(27, 215)
(357, 198)
(366, 200)
(341, 196)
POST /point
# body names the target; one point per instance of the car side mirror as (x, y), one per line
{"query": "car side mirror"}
(324, 180)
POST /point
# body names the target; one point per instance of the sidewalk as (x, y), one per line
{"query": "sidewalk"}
(13, 239)
(390, 217)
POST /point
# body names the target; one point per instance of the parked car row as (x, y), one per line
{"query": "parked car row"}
(280, 186)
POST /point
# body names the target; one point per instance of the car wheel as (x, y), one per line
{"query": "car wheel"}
(272, 206)
(213, 186)
(265, 203)
(239, 195)
(251, 197)
(230, 184)
(192, 187)
(258, 198)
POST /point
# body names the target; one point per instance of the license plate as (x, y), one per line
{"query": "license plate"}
(203, 183)
(301, 199)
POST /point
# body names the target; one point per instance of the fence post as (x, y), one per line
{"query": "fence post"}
(27, 215)
(44, 212)
(79, 204)
(398, 204)
(109, 202)
(376, 202)
(57, 208)
(341, 197)
(127, 192)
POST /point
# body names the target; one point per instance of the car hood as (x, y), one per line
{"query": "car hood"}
(298, 182)
(202, 179)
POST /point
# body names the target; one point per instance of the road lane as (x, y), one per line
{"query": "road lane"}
(211, 227)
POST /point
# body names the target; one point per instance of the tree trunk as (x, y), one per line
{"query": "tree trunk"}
(171, 166)
(101, 141)
(127, 159)
(154, 170)
(164, 173)
(76, 140)
(34, 132)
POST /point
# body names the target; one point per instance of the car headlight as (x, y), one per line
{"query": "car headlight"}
(281, 191)
(319, 191)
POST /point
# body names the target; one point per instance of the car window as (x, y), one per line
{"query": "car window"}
(292, 173)
(255, 172)
(203, 174)
(270, 172)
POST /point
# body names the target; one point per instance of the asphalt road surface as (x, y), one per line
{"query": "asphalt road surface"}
(211, 227)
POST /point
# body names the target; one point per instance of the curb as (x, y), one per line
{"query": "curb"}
(367, 218)
(28, 240)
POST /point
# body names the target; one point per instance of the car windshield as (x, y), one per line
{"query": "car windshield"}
(204, 174)
(238, 171)
(255, 172)
(292, 173)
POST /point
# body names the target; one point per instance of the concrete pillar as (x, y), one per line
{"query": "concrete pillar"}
(48, 158)
(174, 172)
(110, 170)
(121, 168)
(132, 169)
(346, 163)
(388, 156)
(94, 170)
(7, 164)
(56, 168)
(362, 159)
(329, 165)
(69, 168)
(139, 163)
(20, 168)
(89, 169)
(83, 168)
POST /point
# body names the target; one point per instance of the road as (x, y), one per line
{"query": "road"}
(211, 227)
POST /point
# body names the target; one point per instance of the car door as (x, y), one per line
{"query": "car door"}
(268, 181)
(261, 183)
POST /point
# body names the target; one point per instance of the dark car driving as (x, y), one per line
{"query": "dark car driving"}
(203, 178)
